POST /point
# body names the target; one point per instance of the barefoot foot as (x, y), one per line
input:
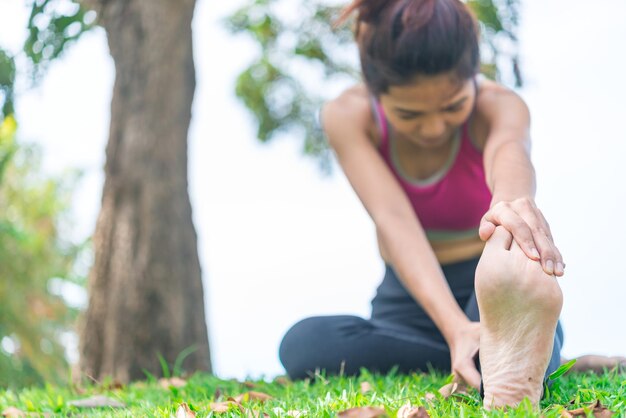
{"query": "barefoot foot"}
(597, 364)
(519, 308)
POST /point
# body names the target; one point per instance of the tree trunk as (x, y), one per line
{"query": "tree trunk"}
(146, 297)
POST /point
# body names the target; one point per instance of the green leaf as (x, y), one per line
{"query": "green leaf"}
(562, 370)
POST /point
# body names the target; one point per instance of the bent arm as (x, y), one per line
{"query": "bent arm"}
(399, 230)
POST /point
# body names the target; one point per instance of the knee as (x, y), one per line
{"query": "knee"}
(319, 342)
(295, 348)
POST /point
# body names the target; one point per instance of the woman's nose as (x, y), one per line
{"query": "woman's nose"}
(433, 127)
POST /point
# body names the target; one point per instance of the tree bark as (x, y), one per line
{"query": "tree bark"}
(145, 290)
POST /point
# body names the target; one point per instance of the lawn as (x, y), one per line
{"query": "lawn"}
(203, 395)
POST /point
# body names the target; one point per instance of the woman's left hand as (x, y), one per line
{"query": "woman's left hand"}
(529, 228)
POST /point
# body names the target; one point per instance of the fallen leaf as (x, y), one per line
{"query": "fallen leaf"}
(224, 406)
(252, 396)
(79, 390)
(217, 394)
(294, 413)
(249, 385)
(112, 385)
(447, 390)
(176, 382)
(183, 411)
(407, 411)
(13, 412)
(282, 380)
(430, 397)
(363, 412)
(97, 401)
(404, 410)
(596, 408)
(462, 389)
(366, 387)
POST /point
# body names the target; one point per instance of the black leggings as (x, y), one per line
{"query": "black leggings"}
(399, 333)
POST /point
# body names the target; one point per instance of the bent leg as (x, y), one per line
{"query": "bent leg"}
(348, 343)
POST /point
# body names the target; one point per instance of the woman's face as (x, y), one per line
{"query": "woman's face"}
(429, 110)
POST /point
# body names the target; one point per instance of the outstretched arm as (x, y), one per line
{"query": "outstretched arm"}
(511, 177)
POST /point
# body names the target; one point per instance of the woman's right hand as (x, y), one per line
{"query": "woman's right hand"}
(463, 349)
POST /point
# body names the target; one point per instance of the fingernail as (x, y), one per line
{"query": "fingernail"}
(550, 266)
(559, 268)
(535, 253)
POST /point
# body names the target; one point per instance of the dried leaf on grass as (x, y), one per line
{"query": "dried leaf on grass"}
(363, 412)
(366, 387)
(251, 396)
(176, 382)
(12, 412)
(116, 384)
(296, 414)
(103, 386)
(221, 407)
(183, 411)
(249, 385)
(98, 401)
(447, 390)
(407, 411)
(282, 380)
(430, 397)
(293, 413)
(453, 388)
(596, 408)
(217, 394)
(224, 406)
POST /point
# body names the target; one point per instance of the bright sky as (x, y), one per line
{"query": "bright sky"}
(278, 242)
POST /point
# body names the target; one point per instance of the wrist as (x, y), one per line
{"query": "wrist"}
(454, 327)
(503, 197)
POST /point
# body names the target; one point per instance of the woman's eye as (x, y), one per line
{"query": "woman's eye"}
(453, 109)
(408, 116)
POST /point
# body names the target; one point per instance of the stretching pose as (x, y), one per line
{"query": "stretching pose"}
(439, 156)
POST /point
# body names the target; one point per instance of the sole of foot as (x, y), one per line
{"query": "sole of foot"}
(519, 308)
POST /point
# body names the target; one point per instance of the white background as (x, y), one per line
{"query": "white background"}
(279, 242)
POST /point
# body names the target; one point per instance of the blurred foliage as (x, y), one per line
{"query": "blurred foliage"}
(35, 263)
(52, 26)
(300, 55)
(7, 83)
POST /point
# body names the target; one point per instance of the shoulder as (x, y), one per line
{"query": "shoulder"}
(497, 108)
(348, 114)
(498, 104)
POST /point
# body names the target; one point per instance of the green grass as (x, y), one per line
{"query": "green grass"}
(318, 397)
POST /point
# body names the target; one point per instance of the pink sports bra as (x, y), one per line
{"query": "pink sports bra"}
(450, 203)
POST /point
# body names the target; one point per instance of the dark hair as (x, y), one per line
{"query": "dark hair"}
(401, 39)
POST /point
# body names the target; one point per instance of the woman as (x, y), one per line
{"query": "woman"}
(440, 159)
